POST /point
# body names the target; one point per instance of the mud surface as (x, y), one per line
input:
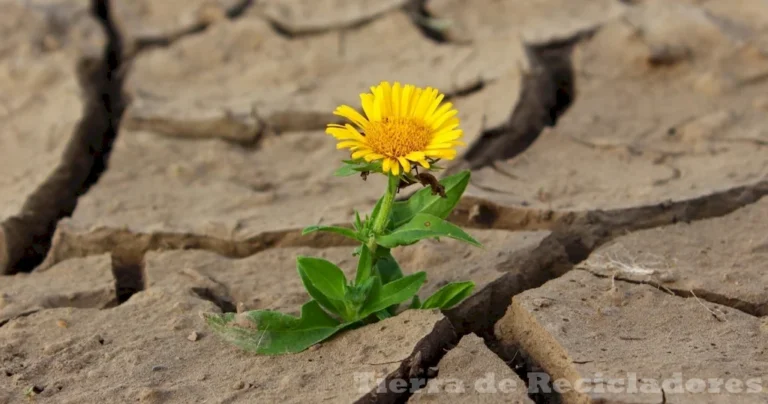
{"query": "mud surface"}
(160, 159)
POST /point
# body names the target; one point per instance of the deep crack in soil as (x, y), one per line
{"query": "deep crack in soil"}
(753, 309)
(422, 19)
(28, 235)
(413, 372)
(546, 93)
(145, 43)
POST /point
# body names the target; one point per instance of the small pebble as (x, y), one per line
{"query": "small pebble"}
(193, 336)
(238, 386)
(158, 368)
(542, 302)
(61, 324)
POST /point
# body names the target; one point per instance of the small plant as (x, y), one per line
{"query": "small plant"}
(404, 129)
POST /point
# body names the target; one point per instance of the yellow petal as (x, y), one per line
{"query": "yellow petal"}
(397, 97)
(373, 156)
(405, 104)
(348, 143)
(433, 106)
(385, 99)
(345, 133)
(367, 102)
(424, 163)
(435, 146)
(447, 136)
(415, 97)
(447, 154)
(361, 153)
(415, 156)
(385, 165)
(445, 117)
(395, 167)
(450, 124)
(350, 113)
(430, 119)
(405, 163)
(378, 107)
(423, 103)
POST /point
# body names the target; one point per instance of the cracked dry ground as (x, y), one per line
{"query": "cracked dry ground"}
(159, 159)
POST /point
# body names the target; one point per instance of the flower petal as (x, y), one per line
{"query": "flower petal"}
(447, 154)
(437, 123)
(345, 133)
(373, 156)
(436, 146)
(405, 163)
(350, 113)
(414, 100)
(433, 106)
(385, 165)
(395, 167)
(415, 156)
(367, 101)
(405, 103)
(447, 136)
(397, 97)
(431, 119)
(361, 153)
(450, 124)
(384, 98)
(427, 96)
(348, 143)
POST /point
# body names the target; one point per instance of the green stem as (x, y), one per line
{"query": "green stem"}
(383, 215)
(367, 260)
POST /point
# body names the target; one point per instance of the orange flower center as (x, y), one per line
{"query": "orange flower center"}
(397, 136)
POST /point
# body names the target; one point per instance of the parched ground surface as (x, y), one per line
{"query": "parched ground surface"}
(159, 159)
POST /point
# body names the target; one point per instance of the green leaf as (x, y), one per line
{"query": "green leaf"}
(332, 229)
(352, 167)
(273, 333)
(345, 171)
(424, 202)
(356, 295)
(393, 293)
(358, 223)
(325, 276)
(415, 303)
(386, 266)
(423, 226)
(384, 314)
(374, 213)
(324, 282)
(364, 265)
(449, 295)
(388, 270)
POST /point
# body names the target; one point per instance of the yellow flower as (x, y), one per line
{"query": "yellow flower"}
(402, 125)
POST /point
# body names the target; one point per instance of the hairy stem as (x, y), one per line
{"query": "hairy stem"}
(380, 221)
(386, 205)
(367, 259)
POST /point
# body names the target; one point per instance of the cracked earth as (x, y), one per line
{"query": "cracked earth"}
(159, 159)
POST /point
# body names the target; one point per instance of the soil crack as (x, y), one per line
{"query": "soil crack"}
(414, 371)
(28, 235)
(546, 93)
(142, 44)
(427, 24)
(755, 310)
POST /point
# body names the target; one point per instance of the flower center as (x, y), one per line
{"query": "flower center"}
(397, 136)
